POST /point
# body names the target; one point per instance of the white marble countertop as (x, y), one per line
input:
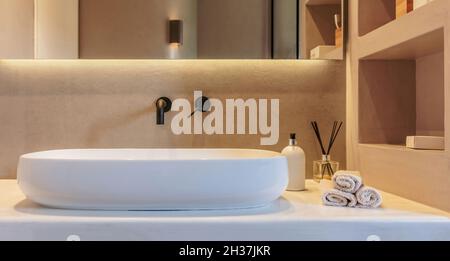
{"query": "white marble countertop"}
(295, 216)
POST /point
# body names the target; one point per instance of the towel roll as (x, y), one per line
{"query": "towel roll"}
(347, 181)
(337, 198)
(368, 197)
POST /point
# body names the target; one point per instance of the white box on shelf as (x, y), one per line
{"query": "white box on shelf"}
(425, 142)
(420, 3)
(322, 51)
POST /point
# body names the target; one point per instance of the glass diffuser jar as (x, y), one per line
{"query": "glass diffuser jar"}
(324, 168)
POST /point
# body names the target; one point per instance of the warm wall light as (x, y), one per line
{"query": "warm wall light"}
(176, 32)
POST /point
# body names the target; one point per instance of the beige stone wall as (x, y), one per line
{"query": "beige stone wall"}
(110, 104)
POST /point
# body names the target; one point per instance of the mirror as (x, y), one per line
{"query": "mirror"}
(171, 29)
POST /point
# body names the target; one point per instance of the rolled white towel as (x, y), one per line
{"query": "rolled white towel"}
(337, 198)
(368, 197)
(347, 181)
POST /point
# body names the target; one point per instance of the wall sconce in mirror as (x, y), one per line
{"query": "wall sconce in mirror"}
(176, 32)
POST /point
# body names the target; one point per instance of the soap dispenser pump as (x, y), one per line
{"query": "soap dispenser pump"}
(296, 164)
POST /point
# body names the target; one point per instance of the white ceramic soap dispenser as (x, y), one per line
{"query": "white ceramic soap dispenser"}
(296, 165)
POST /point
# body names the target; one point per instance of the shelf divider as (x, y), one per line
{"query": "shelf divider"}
(323, 2)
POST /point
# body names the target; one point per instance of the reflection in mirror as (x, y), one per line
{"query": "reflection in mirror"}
(322, 31)
(234, 29)
(136, 29)
(146, 29)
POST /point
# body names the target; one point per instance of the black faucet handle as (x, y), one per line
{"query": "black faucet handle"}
(163, 105)
(202, 104)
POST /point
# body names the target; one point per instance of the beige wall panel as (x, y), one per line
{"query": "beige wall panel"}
(16, 29)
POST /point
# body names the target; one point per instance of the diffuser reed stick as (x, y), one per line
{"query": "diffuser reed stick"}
(319, 138)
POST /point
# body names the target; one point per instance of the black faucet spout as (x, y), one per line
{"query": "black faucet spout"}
(163, 105)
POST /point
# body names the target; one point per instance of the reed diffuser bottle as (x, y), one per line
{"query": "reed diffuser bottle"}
(325, 167)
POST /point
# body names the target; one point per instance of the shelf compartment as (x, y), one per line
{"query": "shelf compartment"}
(400, 98)
(411, 36)
(373, 15)
(414, 35)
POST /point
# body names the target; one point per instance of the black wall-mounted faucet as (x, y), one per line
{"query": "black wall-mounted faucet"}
(163, 105)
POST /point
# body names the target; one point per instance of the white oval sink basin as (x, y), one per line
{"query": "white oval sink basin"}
(153, 179)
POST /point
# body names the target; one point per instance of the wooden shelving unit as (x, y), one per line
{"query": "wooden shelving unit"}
(395, 80)
(400, 77)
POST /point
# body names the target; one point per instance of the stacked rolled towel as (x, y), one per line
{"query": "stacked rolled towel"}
(347, 190)
(337, 198)
(347, 181)
(368, 197)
